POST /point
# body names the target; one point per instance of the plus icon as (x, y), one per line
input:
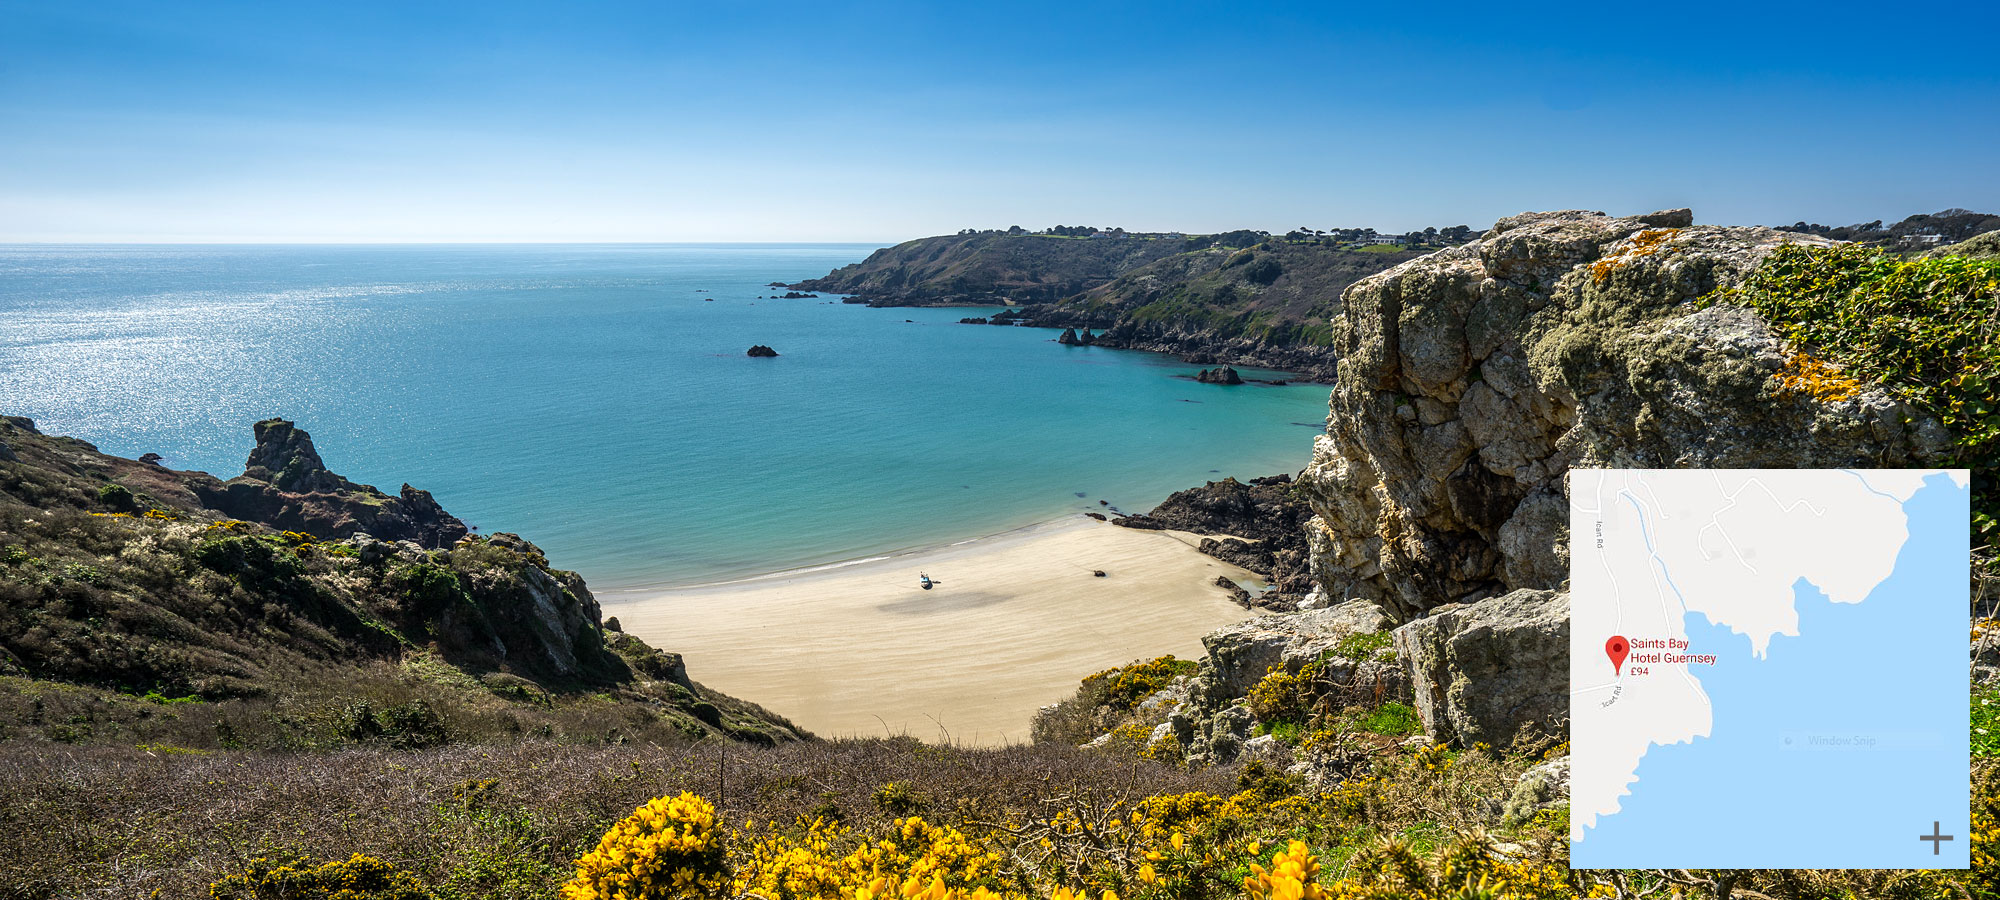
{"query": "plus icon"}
(1937, 840)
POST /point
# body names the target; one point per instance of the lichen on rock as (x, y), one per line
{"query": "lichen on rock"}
(1471, 380)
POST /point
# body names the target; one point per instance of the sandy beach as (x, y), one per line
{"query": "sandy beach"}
(1015, 620)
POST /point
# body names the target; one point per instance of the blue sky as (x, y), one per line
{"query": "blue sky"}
(498, 121)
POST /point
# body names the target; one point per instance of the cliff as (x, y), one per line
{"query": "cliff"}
(1472, 379)
(125, 585)
(1271, 304)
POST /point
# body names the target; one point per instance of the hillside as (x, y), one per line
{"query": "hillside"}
(1241, 297)
(142, 604)
(1270, 304)
(989, 268)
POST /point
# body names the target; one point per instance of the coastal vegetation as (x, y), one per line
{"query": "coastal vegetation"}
(197, 704)
(1923, 327)
(132, 614)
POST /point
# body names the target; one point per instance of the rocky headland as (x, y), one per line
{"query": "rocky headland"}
(1242, 298)
(290, 589)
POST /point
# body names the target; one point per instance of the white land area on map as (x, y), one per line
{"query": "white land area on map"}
(1727, 543)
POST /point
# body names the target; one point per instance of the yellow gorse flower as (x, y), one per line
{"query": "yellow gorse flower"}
(1290, 877)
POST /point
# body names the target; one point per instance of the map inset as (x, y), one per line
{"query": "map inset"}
(1768, 668)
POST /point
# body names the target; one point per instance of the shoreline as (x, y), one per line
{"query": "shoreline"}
(1015, 621)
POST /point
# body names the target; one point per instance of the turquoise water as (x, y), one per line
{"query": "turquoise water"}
(597, 398)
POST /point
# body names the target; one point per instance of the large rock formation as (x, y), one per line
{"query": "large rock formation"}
(1471, 380)
(1210, 721)
(285, 485)
(1491, 672)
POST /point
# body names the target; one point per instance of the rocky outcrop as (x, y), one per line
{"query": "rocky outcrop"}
(1261, 527)
(286, 486)
(759, 350)
(1212, 724)
(1544, 786)
(1471, 380)
(1219, 375)
(1068, 338)
(1491, 672)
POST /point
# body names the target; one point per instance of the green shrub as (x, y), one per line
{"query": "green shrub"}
(1363, 646)
(357, 878)
(898, 798)
(1392, 719)
(117, 498)
(428, 589)
(1264, 271)
(1922, 327)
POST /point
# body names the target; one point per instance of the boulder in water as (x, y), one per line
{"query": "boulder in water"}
(762, 351)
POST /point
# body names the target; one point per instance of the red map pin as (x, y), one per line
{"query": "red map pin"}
(1616, 648)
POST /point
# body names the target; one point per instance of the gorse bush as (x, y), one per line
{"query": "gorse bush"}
(669, 848)
(1924, 328)
(1127, 686)
(358, 877)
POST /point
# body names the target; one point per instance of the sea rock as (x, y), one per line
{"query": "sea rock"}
(762, 351)
(1219, 375)
(285, 485)
(1236, 591)
(1265, 511)
(1493, 672)
(1472, 379)
(1068, 337)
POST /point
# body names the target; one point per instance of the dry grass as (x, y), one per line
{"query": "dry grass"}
(478, 821)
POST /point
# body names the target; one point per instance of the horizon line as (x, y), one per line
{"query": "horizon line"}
(4, 242)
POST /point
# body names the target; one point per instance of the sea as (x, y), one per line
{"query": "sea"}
(598, 399)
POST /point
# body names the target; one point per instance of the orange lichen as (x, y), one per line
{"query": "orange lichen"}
(1644, 244)
(1813, 377)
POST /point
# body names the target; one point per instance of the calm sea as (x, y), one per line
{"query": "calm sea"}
(597, 399)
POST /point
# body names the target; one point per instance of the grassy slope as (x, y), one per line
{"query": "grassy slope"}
(1280, 292)
(989, 268)
(167, 624)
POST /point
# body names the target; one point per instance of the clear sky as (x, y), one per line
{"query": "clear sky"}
(499, 121)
